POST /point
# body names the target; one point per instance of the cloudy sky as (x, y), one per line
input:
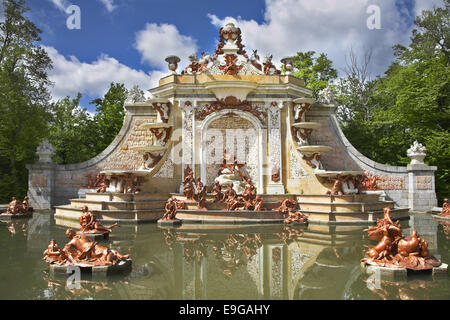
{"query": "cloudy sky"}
(127, 40)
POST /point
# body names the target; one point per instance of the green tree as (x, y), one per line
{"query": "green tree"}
(110, 115)
(24, 97)
(410, 102)
(317, 72)
(72, 132)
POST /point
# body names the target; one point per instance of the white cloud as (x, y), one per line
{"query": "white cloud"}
(72, 76)
(327, 26)
(61, 4)
(156, 42)
(109, 5)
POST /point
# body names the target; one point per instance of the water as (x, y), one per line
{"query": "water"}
(206, 262)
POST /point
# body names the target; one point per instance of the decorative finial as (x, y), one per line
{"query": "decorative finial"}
(287, 63)
(173, 63)
(417, 153)
(45, 151)
(135, 95)
(326, 96)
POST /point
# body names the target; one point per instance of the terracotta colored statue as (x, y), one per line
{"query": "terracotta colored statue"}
(81, 251)
(53, 254)
(369, 182)
(295, 216)
(394, 250)
(188, 184)
(201, 195)
(233, 167)
(445, 209)
(258, 203)
(337, 187)
(217, 192)
(170, 209)
(103, 184)
(90, 225)
(249, 193)
(18, 207)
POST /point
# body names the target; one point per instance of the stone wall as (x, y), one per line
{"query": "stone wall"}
(51, 184)
(412, 186)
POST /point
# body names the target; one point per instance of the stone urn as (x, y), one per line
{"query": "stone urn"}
(230, 32)
(417, 153)
(173, 63)
(288, 64)
(45, 151)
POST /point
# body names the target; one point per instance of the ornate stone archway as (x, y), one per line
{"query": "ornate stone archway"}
(249, 131)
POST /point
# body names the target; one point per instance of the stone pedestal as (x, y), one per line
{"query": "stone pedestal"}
(41, 185)
(275, 188)
(421, 187)
(169, 223)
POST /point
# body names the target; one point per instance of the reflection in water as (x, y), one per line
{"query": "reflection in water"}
(218, 262)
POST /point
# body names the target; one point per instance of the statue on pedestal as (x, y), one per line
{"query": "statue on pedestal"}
(219, 196)
(16, 207)
(81, 251)
(170, 209)
(288, 208)
(188, 184)
(201, 195)
(90, 225)
(445, 209)
(395, 250)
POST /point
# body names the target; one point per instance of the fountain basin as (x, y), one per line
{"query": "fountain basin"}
(314, 149)
(307, 125)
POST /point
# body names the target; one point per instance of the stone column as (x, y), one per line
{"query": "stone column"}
(41, 178)
(275, 163)
(421, 182)
(187, 120)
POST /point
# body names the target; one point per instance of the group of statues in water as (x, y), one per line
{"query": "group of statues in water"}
(288, 208)
(81, 250)
(445, 212)
(17, 207)
(395, 250)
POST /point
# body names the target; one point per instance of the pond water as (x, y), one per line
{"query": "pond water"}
(218, 262)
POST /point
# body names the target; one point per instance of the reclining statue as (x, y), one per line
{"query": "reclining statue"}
(90, 225)
(81, 251)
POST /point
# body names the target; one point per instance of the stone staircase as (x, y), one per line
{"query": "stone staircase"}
(124, 208)
(149, 207)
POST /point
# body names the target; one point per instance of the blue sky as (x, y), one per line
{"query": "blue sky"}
(127, 40)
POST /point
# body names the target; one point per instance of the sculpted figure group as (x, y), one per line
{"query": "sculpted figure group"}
(445, 209)
(171, 207)
(248, 200)
(288, 208)
(81, 251)
(395, 250)
(17, 207)
(90, 225)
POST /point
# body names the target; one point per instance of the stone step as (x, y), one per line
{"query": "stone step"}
(131, 216)
(115, 196)
(118, 205)
(347, 207)
(346, 198)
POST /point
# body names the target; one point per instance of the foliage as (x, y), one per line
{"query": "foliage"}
(71, 132)
(317, 72)
(410, 102)
(79, 136)
(23, 97)
(110, 115)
